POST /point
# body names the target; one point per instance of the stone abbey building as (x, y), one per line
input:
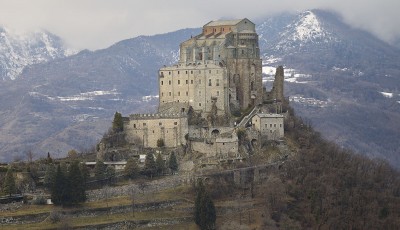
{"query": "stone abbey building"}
(219, 71)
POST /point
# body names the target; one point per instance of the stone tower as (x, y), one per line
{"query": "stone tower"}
(220, 67)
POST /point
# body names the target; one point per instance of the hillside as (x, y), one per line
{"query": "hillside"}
(318, 185)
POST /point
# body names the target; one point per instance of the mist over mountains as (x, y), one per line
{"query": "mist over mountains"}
(342, 80)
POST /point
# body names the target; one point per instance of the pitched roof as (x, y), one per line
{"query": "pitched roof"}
(224, 22)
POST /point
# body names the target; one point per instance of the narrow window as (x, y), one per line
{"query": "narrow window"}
(274, 125)
(169, 72)
(270, 125)
(200, 104)
(217, 93)
(280, 125)
(209, 71)
(217, 83)
(191, 81)
(162, 94)
(162, 82)
(179, 93)
(186, 72)
(209, 82)
(178, 71)
(199, 93)
(187, 94)
(179, 82)
(187, 82)
(169, 82)
(170, 94)
(191, 71)
(134, 126)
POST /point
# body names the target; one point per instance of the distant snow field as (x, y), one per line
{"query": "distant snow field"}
(388, 95)
(290, 75)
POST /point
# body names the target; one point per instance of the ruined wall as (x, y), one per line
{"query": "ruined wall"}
(276, 93)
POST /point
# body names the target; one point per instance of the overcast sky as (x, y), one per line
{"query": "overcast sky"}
(95, 24)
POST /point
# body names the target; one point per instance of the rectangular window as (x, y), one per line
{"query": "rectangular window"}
(274, 125)
(134, 126)
(187, 93)
(187, 82)
(178, 72)
(179, 93)
(175, 123)
(217, 93)
(169, 82)
(186, 71)
(199, 93)
(270, 125)
(159, 123)
(169, 72)
(179, 82)
(169, 93)
(162, 94)
(191, 81)
(217, 83)
(209, 71)
(162, 82)
(200, 104)
(280, 125)
(144, 124)
(209, 82)
(191, 71)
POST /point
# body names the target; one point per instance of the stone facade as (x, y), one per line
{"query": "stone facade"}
(148, 128)
(226, 52)
(270, 125)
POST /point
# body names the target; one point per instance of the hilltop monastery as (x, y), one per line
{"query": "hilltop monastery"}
(219, 74)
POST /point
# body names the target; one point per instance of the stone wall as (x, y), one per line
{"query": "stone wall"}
(146, 129)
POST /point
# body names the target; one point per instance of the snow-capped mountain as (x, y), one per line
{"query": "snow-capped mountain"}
(18, 51)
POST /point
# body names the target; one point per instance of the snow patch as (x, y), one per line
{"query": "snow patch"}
(387, 95)
(149, 98)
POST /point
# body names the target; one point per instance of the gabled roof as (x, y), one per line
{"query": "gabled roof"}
(225, 22)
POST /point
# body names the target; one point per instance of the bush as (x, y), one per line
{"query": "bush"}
(55, 217)
(40, 200)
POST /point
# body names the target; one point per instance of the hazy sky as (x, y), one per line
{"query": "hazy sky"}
(95, 24)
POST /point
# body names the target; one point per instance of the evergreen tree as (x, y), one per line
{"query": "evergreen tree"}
(100, 170)
(110, 173)
(49, 176)
(118, 123)
(172, 162)
(9, 186)
(58, 190)
(160, 164)
(85, 172)
(77, 186)
(49, 160)
(205, 213)
(150, 167)
(131, 168)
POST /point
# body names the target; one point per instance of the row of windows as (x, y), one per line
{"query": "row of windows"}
(191, 82)
(160, 124)
(187, 93)
(191, 72)
(270, 125)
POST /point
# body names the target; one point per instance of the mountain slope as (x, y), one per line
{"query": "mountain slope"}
(19, 51)
(354, 75)
(68, 103)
